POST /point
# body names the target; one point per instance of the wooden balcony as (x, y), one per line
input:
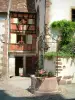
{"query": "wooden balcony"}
(24, 47)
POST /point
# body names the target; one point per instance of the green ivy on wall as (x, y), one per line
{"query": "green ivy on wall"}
(66, 30)
(66, 46)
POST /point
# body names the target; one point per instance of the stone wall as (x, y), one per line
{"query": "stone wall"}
(5, 50)
(3, 47)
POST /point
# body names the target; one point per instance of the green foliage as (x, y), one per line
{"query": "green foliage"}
(43, 73)
(40, 73)
(64, 25)
(66, 46)
(50, 74)
(66, 30)
(63, 53)
(50, 55)
(69, 49)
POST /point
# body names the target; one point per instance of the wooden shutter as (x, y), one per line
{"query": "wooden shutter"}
(29, 39)
(13, 38)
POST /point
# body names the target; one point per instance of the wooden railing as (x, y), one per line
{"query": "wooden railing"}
(24, 47)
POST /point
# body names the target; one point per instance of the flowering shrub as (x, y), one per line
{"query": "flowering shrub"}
(50, 74)
(43, 73)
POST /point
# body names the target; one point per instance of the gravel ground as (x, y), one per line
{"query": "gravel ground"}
(9, 92)
(68, 91)
(13, 91)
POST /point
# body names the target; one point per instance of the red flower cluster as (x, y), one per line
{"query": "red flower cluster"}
(21, 42)
(41, 71)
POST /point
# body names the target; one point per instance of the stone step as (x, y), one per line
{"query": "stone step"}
(59, 69)
(58, 63)
(65, 81)
(58, 66)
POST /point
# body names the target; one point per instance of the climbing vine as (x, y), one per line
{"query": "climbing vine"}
(66, 30)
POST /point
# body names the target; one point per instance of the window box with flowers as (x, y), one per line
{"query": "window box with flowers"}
(21, 43)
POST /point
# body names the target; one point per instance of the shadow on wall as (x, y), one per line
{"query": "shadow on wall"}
(31, 5)
(5, 96)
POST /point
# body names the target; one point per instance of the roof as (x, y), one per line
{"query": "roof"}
(23, 5)
(4, 5)
(18, 5)
(48, 3)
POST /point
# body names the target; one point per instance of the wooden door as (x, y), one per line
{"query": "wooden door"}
(28, 65)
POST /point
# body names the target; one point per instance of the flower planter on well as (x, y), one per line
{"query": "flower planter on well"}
(44, 84)
(49, 85)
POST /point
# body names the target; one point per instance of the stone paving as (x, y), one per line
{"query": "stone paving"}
(69, 91)
(10, 92)
(13, 91)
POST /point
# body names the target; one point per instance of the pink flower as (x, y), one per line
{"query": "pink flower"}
(41, 71)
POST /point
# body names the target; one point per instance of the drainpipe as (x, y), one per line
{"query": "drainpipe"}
(44, 28)
(44, 32)
(42, 38)
(8, 22)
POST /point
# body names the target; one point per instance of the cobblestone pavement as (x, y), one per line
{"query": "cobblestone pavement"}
(9, 92)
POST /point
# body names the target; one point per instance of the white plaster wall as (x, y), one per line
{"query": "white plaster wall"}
(12, 66)
(49, 65)
(2, 31)
(42, 16)
(41, 23)
(61, 9)
(69, 67)
(41, 5)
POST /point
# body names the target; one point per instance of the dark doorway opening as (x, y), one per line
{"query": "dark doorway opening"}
(30, 65)
(18, 65)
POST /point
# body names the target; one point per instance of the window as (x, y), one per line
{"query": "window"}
(21, 38)
(25, 38)
(73, 14)
(18, 38)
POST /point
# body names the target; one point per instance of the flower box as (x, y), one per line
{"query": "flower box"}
(44, 81)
